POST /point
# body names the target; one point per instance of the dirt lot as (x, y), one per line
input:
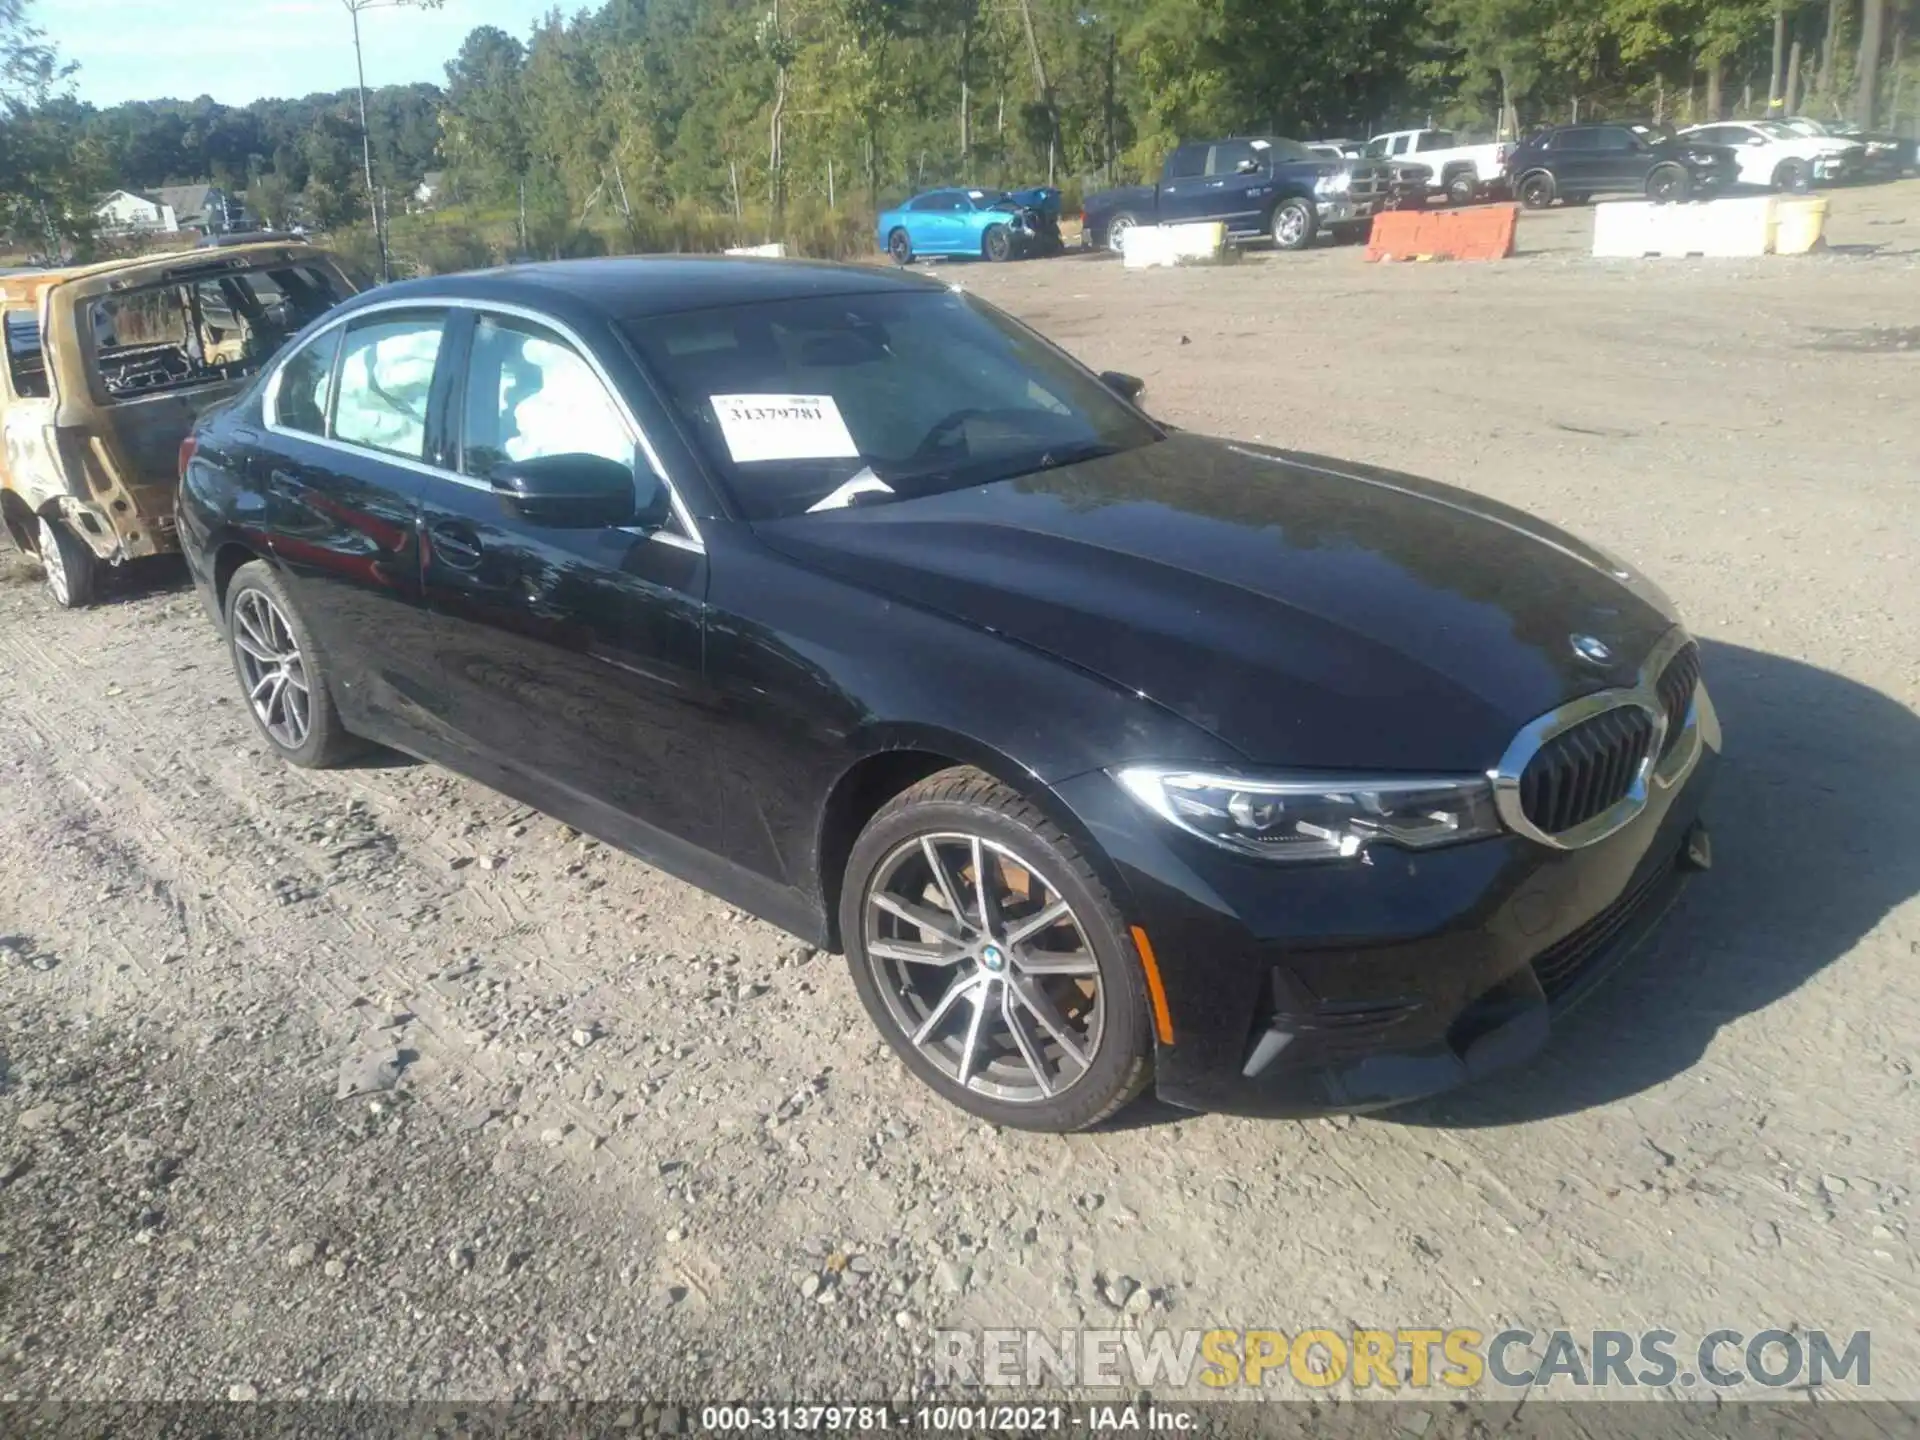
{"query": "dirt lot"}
(640, 1144)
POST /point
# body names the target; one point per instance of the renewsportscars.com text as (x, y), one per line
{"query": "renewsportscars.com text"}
(1411, 1359)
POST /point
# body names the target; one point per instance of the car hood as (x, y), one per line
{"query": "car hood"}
(1305, 611)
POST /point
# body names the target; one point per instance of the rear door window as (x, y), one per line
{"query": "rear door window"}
(26, 365)
(1189, 162)
(386, 377)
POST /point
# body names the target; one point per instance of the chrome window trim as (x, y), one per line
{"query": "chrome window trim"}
(1699, 728)
(270, 414)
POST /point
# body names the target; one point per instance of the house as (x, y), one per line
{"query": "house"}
(206, 208)
(125, 213)
(432, 186)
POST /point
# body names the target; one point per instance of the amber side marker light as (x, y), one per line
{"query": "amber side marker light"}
(1157, 992)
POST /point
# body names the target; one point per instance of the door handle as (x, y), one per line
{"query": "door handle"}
(456, 545)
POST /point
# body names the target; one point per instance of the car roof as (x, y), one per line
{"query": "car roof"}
(633, 287)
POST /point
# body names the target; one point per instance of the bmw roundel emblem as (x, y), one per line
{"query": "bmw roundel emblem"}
(1593, 651)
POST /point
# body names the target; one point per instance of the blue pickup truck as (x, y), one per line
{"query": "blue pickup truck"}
(1261, 187)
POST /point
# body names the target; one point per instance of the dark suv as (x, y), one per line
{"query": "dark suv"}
(1576, 162)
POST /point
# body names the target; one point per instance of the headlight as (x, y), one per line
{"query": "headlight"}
(1337, 183)
(1326, 818)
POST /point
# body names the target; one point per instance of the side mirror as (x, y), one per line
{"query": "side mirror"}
(1128, 387)
(568, 492)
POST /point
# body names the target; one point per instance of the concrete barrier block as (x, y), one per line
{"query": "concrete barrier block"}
(1152, 245)
(1720, 229)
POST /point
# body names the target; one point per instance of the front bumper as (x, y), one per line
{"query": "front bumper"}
(1338, 209)
(1830, 167)
(1297, 991)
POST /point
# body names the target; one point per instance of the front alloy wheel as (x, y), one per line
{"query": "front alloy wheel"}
(991, 959)
(1293, 225)
(997, 244)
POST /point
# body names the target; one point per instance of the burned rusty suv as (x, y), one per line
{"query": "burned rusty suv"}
(107, 369)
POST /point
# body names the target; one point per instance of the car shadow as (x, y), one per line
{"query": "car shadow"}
(1816, 839)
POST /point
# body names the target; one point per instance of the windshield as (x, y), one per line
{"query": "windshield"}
(816, 403)
(1806, 127)
(1777, 130)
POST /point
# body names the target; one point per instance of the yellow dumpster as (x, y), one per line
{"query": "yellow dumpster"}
(1800, 224)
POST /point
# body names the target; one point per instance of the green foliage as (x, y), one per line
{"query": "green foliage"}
(693, 124)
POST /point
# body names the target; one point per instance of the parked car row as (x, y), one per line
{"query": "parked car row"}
(841, 594)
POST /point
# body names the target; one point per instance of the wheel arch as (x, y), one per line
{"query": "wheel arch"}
(18, 517)
(894, 761)
(228, 557)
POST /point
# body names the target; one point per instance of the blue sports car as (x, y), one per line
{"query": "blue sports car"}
(995, 224)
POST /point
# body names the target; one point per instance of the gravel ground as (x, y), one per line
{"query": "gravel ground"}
(374, 1084)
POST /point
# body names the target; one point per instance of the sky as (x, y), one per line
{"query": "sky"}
(241, 50)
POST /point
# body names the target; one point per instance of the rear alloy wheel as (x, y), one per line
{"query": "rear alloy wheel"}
(1117, 229)
(73, 572)
(1667, 185)
(1793, 176)
(997, 244)
(991, 958)
(900, 247)
(1294, 223)
(283, 673)
(1535, 191)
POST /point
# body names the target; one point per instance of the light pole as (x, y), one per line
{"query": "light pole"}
(354, 7)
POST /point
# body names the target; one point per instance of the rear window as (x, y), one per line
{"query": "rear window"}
(195, 332)
(1436, 140)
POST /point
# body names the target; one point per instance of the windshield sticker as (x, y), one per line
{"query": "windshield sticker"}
(783, 427)
(1260, 144)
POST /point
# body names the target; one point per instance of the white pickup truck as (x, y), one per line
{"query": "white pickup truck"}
(1463, 173)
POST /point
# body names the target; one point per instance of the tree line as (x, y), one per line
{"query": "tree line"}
(613, 114)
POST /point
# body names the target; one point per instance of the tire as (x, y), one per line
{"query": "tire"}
(1292, 224)
(1463, 189)
(72, 570)
(1356, 232)
(900, 247)
(1668, 185)
(1536, 190)
(996, 244)
(1117, 229)
(1793, 176)
(267, 637)
(963, 1025)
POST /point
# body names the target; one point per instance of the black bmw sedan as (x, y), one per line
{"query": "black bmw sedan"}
(1110, 756)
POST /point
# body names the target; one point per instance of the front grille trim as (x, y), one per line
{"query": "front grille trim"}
(1666, 760)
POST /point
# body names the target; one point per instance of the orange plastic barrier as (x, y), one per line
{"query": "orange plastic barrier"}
(1480, 232)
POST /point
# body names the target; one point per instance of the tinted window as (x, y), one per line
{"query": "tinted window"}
(1228, 155)
(1187, 162)
(306, 386)
(799, 403)
(1614, 139)
(386, 374)
(25, 363)
(1581, 139)
(1380, 146)
(1436, 140)
(529, 395)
